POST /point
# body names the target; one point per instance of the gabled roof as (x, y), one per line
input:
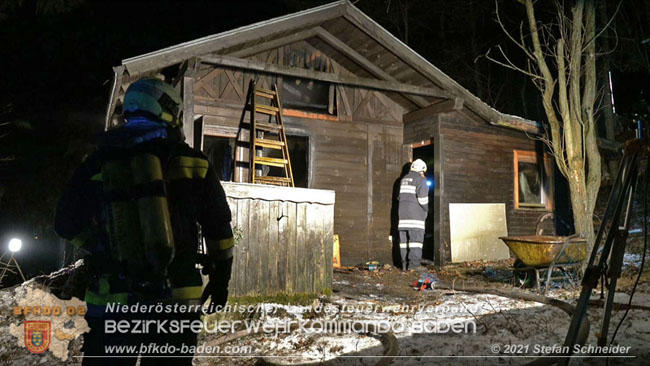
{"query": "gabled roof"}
(349, 37)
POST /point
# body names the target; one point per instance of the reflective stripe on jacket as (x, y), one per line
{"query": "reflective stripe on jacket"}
(413, 202)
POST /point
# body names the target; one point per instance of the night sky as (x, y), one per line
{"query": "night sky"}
(56, 59)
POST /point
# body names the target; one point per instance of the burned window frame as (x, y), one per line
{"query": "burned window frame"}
(546, 175)
(332, 112)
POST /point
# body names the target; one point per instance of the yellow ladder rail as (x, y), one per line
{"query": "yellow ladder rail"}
(269, 135)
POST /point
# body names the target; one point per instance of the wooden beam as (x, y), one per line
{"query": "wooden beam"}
(516, 123)
(435, 75)
(238, 63)
(439, 255)
(188, 109)
(115, 92)
(504, 120)
(454, 104)
(360, 60)
(274, 43)
(178, 53)
(187, 68)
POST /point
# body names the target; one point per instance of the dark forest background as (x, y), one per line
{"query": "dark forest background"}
(56, 58)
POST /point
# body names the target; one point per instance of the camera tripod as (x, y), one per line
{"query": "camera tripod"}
(606, 259)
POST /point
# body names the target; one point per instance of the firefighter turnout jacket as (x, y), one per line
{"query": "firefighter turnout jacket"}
(413, 202)
(194, 194)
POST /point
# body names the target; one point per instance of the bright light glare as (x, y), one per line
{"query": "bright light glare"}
(428, 183)
(15, 245)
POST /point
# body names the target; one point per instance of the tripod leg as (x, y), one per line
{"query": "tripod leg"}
(614, 273)
(626, 175)
(615, 267)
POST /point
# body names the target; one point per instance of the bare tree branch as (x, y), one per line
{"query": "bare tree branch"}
(521, 45)
(509, 63)
(611, 19)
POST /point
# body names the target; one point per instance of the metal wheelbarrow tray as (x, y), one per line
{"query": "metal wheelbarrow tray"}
(542, 250)
(545, 252)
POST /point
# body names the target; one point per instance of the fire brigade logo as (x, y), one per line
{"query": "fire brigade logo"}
(37, 335)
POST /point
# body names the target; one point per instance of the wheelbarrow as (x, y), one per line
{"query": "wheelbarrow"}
(539, 253)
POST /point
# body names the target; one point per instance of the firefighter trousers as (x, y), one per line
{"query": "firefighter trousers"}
(410, 247)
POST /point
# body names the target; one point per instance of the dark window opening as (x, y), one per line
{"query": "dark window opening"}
(220, 152)
(299, 156)
(530, 184)
(307, 95)
(532, 180)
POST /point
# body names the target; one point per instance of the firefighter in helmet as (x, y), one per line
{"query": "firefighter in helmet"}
(135, 206)
(413, 209)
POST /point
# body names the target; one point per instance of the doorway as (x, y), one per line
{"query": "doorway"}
(425, 151)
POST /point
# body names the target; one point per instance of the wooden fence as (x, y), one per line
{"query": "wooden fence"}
(284, 239)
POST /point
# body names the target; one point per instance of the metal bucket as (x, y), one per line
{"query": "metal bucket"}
(541, 250)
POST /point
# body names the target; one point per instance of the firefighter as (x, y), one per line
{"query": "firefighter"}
(413, 209)
(135, 206)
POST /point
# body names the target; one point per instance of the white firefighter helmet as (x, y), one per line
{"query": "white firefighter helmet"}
(419, 166)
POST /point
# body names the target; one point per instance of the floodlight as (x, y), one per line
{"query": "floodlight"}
(15, 245)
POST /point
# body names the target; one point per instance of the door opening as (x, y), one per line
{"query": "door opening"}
(219, 150)
(426, 154)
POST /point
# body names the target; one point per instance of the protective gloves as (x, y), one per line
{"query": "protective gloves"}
(218, 272)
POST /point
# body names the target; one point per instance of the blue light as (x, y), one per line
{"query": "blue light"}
(429, 183)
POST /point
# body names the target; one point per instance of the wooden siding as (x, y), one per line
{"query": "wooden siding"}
(224, 85)
(286, 239)
(338, 160)
(357, 155)
(475, 166)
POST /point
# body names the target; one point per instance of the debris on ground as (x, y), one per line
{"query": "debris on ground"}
(426, 282)
(484, 321)
(46, 291)
(427, 325)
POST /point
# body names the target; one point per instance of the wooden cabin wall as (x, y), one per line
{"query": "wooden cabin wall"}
(478, 167)
(357, 153)
(474, 164)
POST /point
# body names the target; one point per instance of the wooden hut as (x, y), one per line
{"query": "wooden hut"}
(358, 104)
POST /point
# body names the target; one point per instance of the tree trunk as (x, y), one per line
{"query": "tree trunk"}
(570, 108)
(608, 112)
(582, 216)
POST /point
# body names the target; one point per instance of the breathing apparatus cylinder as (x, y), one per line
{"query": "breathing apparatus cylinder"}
(138, 219)
(154, 218)
(123, 215)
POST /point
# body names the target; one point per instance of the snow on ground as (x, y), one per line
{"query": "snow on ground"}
(488, 328)
(492, 328)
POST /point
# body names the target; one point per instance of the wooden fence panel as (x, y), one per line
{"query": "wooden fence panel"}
(285, 238)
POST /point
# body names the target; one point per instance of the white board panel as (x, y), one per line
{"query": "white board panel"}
(475, 230)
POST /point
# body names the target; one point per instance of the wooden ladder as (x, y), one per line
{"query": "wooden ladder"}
(267, 134)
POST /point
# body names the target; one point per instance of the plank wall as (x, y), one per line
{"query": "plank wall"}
(474, 164)
(357, 153)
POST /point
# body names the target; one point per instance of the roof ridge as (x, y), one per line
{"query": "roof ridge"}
(217, 36)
